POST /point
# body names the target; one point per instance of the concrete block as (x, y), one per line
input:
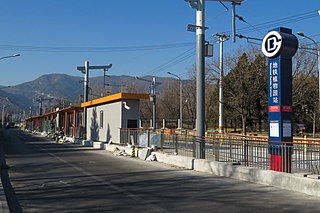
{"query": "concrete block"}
(110, 147)
(127, 149)
(290, 182)
(70, 139)
(87, 143)
(277, 179)
(144, 153)
(176, 160)
(98, 145)
(77, 141)
(113, 147)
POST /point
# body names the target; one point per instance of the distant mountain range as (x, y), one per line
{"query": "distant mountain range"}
(65, 87)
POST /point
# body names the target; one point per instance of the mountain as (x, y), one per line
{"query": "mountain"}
(61, 86)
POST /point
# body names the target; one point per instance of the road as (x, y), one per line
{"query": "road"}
(50, 177)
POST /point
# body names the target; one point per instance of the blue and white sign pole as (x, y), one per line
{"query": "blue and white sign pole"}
(280, 45)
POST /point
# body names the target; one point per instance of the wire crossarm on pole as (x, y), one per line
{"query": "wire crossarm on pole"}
(193, 3)
(106, 67)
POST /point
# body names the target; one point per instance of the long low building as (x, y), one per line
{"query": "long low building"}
(67, 120)
(105, 118)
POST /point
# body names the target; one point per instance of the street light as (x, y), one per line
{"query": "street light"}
(152, 98)
(3, 108)
(180, 121)
(10, 56)
(3, 112)
(318, 57)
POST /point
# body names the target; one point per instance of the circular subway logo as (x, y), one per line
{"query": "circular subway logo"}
(271, 44)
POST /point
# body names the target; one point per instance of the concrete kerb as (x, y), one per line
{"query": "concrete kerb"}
(277, 179)
(4, 208)
(266, 177)
(106, 146)
(176, 160)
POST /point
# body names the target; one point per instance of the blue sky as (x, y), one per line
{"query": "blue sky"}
(34, 28)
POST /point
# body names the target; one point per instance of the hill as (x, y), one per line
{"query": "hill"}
(57, 87)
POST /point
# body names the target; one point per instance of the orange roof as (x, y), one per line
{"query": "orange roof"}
(115, 97)
(67, 109)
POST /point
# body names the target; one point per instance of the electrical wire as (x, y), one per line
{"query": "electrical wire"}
(252, 26)
(277, 22)
(172, 62)
(94, 49)
(269, 24)
(178, 59)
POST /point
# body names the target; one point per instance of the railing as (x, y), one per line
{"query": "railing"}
(301, 156)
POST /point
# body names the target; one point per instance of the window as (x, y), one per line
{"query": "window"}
(101, 119)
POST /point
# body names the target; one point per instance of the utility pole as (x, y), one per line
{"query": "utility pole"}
(154, 103)
(41, 100)
(85, 70)
(200, 69)
(199, 5)
(222, 38)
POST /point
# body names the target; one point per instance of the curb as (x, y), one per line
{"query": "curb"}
(266, 177)
(281, 180)
(3, 200)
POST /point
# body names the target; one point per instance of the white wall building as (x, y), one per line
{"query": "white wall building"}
(107, 115)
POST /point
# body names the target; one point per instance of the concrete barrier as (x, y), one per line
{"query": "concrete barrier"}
(113, 147)
(110, 147)
(281, 180)
(98, 145)
(177, 160)
(70, 139)
(86, 143)
(77, 141)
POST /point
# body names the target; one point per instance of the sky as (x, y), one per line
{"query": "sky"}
(139, 38)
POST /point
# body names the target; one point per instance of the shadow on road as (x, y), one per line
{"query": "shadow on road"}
(12, 200)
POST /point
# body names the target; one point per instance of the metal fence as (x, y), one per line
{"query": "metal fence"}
(303, 155)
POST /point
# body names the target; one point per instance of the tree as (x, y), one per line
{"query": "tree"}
(168, 101)
(246, 90)
(305, 89)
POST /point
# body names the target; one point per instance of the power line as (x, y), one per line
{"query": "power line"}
(176, 62)
(277, 22)
(172, 62)
(94, 49)
(282, 21)
(178, 59)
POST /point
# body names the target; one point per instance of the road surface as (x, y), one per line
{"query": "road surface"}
(50, 177)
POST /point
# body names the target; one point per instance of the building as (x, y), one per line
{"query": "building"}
(67, 120)
(108, 115)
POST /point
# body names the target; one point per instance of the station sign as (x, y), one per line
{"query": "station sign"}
(279, 46)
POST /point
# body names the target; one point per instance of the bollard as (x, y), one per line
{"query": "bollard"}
(133, 154)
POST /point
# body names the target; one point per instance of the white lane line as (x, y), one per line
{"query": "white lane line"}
(136, 198)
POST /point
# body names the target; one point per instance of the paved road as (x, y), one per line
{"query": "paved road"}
(51, 177)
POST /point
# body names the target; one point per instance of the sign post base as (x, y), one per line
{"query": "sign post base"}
(281, 163)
